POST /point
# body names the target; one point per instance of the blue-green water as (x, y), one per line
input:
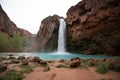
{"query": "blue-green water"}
(57, 56)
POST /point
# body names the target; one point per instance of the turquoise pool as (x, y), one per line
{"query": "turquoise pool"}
(57, 55)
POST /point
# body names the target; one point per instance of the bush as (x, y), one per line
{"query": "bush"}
(13, 75)
(115, 64)
(2, 70)
(13, 44)
(16, 43)
(26, 68)
(101, 68)
(4, 42)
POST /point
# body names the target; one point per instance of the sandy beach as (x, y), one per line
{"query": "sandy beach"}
(70, 74)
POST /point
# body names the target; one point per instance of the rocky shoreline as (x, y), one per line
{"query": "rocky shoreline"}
(23, 66)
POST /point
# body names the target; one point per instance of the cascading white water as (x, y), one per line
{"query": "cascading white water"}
(61, 36)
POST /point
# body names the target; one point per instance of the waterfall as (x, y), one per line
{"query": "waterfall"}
(61, 36)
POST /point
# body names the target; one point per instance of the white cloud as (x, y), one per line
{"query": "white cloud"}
(28, 14)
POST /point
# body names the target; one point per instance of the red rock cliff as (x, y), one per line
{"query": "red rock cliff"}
(48, 33)
(8, 27)
(93, 27)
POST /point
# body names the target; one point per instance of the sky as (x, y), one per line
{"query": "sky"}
(28, 14)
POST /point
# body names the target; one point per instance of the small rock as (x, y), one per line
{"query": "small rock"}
(76, 58)
(36, 59)
(43, 62)
(10, 54)
(47, 68)
(25, 62)
(62, 60)
(21, 57)
(3, 58)
(11, 57)
(3, 66)
(15, 61)
(50, 61)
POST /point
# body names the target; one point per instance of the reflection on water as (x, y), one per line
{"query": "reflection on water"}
(55, 56)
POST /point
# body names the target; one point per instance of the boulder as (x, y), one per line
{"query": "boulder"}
(74, 63)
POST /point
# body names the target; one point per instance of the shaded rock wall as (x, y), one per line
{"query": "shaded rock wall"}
(8, 27)
(48, 33)
(93, 27)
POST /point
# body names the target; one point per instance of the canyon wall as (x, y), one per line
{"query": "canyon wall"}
(93, 27)
(12, 38)
(48, 33)
(10, 28)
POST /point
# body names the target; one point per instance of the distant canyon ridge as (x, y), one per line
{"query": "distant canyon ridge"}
(92, 27)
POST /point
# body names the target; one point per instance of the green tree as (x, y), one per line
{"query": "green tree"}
(16, 43)
(11, 44)
(4, 42)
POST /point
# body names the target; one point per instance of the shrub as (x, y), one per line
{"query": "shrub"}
(2, 70)
(13, 44)
(4, 42)
(13, 75)
(115, 64)
(26, 68)
(101, 68)
(16, 43)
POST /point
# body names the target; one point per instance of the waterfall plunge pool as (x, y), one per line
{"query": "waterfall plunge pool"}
(56, 55)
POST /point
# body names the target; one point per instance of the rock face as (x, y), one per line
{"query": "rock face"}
(48, 33)
(93, 27)
(8, 27)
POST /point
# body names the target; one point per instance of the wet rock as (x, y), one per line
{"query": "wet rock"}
(36, 59)
(76, 58)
